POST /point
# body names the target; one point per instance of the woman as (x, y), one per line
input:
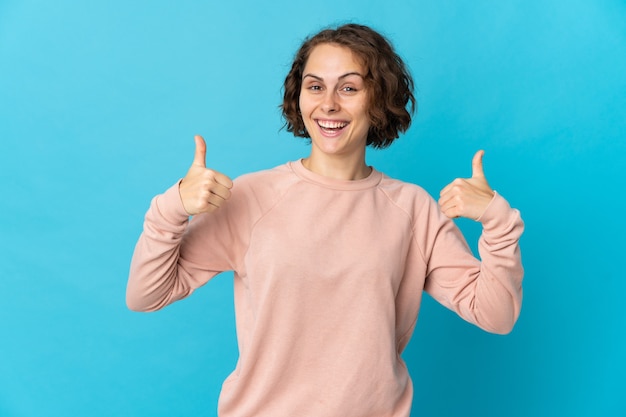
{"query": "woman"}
(330, 256)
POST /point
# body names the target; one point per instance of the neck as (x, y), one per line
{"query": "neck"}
(338, 168)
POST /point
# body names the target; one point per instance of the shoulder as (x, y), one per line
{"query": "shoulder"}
(422, 209)
(273, 178)
(412, 200)
(403, 193)
(264, 186)
(270, 174)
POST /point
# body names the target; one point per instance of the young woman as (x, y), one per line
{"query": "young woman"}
(330, 256)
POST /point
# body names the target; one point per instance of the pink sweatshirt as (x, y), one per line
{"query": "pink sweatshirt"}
(329, 276)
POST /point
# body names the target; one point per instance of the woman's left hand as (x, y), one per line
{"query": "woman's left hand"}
(467, 197)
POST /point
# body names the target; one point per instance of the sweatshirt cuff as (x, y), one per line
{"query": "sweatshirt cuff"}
(170, 205)
(497, 213)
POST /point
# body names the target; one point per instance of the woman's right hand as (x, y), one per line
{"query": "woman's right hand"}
(203, 190)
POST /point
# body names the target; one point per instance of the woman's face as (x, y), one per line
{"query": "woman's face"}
(333, 101)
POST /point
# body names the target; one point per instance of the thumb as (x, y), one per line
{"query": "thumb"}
(199, 158)
(477, 165)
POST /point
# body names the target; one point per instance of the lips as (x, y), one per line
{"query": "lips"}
(331, 126)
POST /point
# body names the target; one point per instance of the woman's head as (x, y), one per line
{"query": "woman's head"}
(389, 84)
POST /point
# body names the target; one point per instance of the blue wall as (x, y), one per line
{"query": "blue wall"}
(99, 102)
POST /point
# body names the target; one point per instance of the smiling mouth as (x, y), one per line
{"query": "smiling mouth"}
(331, 126)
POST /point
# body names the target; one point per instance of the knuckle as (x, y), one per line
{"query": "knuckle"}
(201, 201)
(209, 174)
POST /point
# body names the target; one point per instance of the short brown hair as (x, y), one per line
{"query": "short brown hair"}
(389, 83)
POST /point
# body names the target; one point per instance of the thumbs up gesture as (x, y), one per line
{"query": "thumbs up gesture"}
(203, 190)
(467, 197)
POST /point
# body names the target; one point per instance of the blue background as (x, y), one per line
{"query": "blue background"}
(99, 102)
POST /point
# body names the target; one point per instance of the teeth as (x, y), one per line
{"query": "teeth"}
(328, 124)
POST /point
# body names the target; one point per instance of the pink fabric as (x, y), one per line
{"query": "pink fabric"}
(329, 277)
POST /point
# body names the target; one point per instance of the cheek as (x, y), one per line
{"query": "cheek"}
(304, 104)
(300, 105)
(304, 112)
(365, 113)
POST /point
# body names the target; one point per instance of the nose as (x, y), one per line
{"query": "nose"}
(330, 103)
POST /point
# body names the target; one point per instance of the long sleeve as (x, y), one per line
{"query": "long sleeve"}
(155, 278)
(169, 261)
(175, 255)
(486, 292)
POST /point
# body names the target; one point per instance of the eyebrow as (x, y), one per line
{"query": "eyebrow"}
(341, 77)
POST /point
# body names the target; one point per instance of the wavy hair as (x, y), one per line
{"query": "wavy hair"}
(388, 81)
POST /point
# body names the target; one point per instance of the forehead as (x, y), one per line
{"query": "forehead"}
(332, 59)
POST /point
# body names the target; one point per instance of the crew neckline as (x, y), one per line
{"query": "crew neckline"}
(372, 180)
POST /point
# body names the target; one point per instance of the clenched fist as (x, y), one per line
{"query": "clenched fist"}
(203, 190)
(467, 197)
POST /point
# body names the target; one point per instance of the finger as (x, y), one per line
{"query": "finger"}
(449, 203)
(216, 198)
(223, 180)
(449, 209)
(220, 191)
(454, 187)
(215, 201)
(448, 188)
(199, 158)
(444, 200)
(445, 190)
(477, 165)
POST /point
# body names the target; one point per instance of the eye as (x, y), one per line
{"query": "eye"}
(313, 87)
(348, 89)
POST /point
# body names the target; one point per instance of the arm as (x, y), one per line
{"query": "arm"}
(486, 292)
(156, 279)
(159, 275)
